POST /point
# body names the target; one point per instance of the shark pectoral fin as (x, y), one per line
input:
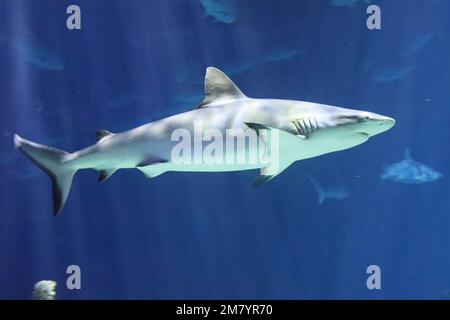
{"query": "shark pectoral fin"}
(153, 170)
(100, 134)
(256, 126)
(261, 180)
(285, 133)
(268, 173)
(105, 174)
(218, 86)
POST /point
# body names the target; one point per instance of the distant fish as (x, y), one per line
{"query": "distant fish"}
(390, 72)
(338, 192)
(44, 290)
(418, 42)
(37, 55)
(347, 3)
(222, 10)
(280, 55)
(409, 171)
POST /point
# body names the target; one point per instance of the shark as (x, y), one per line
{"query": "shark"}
(301, 129)
(409, 171)
(338, 192)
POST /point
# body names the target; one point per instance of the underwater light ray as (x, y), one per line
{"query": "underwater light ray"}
(24, 91)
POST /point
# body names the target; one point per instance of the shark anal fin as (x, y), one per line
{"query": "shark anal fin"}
(218, 86)
(100, 134)
(105, 174)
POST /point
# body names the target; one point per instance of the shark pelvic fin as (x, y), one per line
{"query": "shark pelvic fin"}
(105, 174)
(218, 86)
(153, 170)
(101, 134)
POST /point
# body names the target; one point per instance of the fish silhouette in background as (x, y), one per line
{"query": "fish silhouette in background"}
(409, 171)
(337, 192)
(390, 72)
(418, 43)
(222, 10)
(281, 55)
(347, 3)
(37, 54)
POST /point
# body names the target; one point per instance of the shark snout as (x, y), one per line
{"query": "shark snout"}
(378, 124)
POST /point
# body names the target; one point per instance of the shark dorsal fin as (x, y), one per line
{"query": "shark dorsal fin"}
(218, 86)
(407, 155)
(100, 134)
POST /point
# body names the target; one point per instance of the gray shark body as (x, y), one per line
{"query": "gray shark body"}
(304, 130)
(409, 171)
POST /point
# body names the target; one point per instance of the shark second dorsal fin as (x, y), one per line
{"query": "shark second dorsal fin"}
(407, 155)
(218, 86)
(100, 134)
(105, 174)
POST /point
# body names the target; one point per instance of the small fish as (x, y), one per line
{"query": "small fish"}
(280, 55)
(409, 171)
(347, 3)
(418, 42)
(333, 193)
(222, 10)
(44, 290)
(37, 55)
(391, 72)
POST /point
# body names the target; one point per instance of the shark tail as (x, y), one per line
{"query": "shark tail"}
(52, 162)
(320, 191)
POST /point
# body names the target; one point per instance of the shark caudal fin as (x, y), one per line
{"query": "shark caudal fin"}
(320, 191)
(51, 161)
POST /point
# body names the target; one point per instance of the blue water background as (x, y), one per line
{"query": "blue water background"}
(212, 235)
